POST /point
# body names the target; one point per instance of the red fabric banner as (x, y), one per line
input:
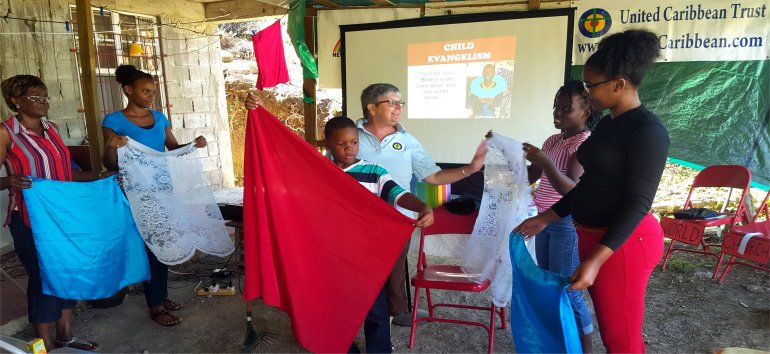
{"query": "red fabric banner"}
(268, 49)
(317, 244)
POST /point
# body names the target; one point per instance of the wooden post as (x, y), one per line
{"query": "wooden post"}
(309, 86)
(88, 71)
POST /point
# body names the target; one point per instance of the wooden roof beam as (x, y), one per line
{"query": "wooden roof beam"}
(239, 10)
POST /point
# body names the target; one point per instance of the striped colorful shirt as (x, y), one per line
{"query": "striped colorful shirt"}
(377, 180)
(559, 150)
(33, 155)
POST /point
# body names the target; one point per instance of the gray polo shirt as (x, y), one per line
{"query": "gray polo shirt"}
(400, 153)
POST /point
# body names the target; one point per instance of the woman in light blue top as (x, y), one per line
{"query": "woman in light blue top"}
(150, 128)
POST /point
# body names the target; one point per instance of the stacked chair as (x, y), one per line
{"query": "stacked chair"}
(690, 231)
(749, 245)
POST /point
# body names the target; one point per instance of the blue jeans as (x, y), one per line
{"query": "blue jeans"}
(376, 327)
(557, 251)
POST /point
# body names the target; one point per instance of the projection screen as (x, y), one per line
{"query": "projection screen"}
(462, 76)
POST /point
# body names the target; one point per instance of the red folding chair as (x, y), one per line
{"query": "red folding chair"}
(744, 244)
(690, 231)
(449, 277)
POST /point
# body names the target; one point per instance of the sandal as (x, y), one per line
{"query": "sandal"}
(79, 344)
(170, 319)
(172, 305)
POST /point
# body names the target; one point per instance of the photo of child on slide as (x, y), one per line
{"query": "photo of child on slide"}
(489, 93)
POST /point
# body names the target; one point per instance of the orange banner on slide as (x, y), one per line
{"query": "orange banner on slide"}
(465, 51)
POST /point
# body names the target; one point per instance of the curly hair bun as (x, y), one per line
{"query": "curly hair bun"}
(626, 54)
(128, 74)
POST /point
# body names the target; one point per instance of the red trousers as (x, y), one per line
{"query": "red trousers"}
(619, 289)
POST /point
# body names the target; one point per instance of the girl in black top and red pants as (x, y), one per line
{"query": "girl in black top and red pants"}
(620, 242)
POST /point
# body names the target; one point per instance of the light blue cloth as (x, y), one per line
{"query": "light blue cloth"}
(542, 320)
(87, 243)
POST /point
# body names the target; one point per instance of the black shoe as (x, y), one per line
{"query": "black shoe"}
(405, 320)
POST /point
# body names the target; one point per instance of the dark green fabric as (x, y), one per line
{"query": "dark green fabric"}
(296, 30)
(715, 112)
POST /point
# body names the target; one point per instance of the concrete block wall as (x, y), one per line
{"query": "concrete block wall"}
(43, 49)
(194, 71)
(194, 75)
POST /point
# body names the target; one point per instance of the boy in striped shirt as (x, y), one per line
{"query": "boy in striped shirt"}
(341, 136)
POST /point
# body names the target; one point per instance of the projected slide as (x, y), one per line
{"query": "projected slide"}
(461, 79)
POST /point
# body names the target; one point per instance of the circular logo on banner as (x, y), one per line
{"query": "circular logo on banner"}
(594, 23)
(397, 146)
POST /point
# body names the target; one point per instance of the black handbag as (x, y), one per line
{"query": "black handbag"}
(696, 213)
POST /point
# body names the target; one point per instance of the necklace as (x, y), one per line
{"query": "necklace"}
(491, 85)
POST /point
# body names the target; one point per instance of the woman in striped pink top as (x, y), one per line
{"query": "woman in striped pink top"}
(558, 170)
(30, 146)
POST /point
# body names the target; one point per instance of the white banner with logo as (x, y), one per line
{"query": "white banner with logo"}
(329, 21)
(689, 30)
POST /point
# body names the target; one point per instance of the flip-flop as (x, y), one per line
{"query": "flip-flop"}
(172, 305)
(79, 344)
(175, 320)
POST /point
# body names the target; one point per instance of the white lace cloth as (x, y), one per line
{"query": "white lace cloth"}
(504, 205)
(172, 203)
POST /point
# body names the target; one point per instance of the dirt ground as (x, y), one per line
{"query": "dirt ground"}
(687, 312)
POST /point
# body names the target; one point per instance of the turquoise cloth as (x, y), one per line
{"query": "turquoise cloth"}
(542, 320)
(87, 243)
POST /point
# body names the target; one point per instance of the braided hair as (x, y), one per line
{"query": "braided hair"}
(575, 88)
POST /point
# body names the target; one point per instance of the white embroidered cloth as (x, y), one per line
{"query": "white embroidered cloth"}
(504, 205)
(172, 203)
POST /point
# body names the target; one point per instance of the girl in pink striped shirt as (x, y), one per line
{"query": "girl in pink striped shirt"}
(559, 171)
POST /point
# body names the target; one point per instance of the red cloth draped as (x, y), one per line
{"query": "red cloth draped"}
(268, 49)
(317, 244)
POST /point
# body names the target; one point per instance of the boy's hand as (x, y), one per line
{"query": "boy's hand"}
(252, 101)
(425, 218)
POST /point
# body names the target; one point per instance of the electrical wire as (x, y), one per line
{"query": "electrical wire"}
(68, 23)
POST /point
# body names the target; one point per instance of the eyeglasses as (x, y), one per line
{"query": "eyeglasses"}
(392, 103)
(587, 85)
(38, 99)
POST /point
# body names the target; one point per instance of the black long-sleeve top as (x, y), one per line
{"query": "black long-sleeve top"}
(623, 161)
